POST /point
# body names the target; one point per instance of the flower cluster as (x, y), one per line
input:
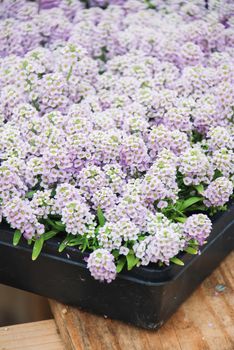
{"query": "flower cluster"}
(166, 240)
(101, 265)
(116, 117)
(197, 226)
(196, 167)
(20, 216)
(218, 192)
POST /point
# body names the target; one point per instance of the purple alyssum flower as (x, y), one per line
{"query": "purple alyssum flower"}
(198, 227)
(101, 265)
(218, 192)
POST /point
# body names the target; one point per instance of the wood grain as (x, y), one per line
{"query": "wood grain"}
(41, 335)
(204, 322)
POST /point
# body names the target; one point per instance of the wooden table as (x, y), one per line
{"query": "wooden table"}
(41, 335)
(204, 322)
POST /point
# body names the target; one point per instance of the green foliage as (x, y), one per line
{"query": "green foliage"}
(196, 136)
(193, 243)
(101, 217)
(185, 204)
(37, 247)
(65, 243)
(16, 238)
(36, 105)
(180, 219)
(190, 200)
(103, 56)
(132, 260)
(191, 250)
(120, 264)
(49, 235)
(39, 242)
(177, 211)
(177, 261)
(199, 188)
(217, 174)
(115, 253)
(150, 5)
(69, 73)
(82, 242)
(57, 225)
(30, 194)
(215, 210)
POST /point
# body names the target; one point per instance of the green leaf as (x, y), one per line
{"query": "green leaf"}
(199, 188)
(38, 244)
(177, 261)
(76, 241)
(101, 217)
(84, 245)
(29, 241)
(191, 250)
(200, 207)
(193, 244)
(120, 264)
(115, 253)
(189, 202)
(30, 194)
(36, 104)
(16, 237)
(60, 225)
(57, 225)
(180, 219)
(178, 205)
(150, 5)
(65, 243)
(141, 238)
(70, 72)
(131, 260)
(53, 192)
(217, 174)
(49, 235)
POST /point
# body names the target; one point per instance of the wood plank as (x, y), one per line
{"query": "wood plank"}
(206, 319)
(204, 322)
(41, 335)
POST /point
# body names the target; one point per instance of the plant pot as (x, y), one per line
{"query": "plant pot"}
(145, 297)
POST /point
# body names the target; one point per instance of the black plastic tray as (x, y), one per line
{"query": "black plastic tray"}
(145, 297)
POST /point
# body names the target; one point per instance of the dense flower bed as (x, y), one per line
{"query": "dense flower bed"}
(116, 126)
